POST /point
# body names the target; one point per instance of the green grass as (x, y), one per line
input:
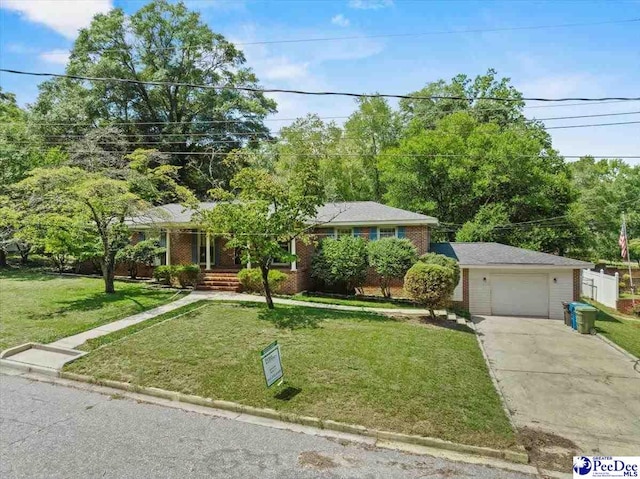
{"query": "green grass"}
(619, 328)
(363, 368)
(629, 296)
(352, 302)
(40, 307)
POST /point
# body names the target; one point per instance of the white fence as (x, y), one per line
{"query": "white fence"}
(600, 287)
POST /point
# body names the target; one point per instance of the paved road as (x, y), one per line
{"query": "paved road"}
(571, 385)
(52, 431)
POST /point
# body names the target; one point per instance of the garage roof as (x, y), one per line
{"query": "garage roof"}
(497, 254)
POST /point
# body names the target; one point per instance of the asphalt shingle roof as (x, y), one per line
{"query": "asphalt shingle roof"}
(350, 212)
(494, 254)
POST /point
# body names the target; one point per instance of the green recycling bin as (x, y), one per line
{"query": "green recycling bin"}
(586, 319)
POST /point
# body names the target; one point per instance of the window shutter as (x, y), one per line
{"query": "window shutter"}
(401, 232)
(163, 239)
(142, 236)
(194, 246)
(356, 232)
(373, 233)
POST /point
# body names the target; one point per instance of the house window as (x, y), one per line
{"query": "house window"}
(386, 233)
(286, 249)
(343, 232)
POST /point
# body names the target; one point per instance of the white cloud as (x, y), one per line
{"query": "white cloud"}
(64, 16)
(370, 4)
(57, 56)
(283, 68)
(340, 20)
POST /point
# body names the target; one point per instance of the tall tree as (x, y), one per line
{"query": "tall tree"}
(161, 42)
(421, 114)
(608, 188)
(373, 127)
(462, 166)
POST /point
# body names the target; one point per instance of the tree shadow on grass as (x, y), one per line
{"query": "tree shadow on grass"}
(298, 317)
(25, 274)
(100, 300)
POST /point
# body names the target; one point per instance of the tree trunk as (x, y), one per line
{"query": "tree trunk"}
(3, 258)
(108, 274)
(24, 257)
(267, 288)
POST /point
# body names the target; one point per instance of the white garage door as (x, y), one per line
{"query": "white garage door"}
(520, 295)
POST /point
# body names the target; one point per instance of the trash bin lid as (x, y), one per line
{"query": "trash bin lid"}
(585, 307)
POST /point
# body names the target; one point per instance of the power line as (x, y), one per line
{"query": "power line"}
(592, 125)
(339, 155)
(310, 93)
(389, 35)
(220, 122)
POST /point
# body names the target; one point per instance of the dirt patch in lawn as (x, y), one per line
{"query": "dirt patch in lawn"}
(316, 460)
(548, 451)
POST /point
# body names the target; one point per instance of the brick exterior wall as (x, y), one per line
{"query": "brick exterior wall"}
(299, 280)
(577, 278)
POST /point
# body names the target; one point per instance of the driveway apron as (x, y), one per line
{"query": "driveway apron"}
(561, 382)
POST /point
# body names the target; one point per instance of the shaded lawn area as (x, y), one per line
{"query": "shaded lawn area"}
(363, 368)
(619, 328)
(352, 302)
(40, 307)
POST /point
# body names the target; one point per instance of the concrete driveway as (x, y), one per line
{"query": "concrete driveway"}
(568, 384)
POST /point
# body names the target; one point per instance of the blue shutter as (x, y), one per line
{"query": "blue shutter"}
(142, 236)
(194, 246)
(356, 231)
(373, 233)
(400, 230)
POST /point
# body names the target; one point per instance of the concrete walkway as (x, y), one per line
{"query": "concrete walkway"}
(572, 385)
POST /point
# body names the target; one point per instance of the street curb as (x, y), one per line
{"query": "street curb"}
(618, 348)
(516, 456)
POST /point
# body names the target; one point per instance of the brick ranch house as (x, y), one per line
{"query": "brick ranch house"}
(496, 279)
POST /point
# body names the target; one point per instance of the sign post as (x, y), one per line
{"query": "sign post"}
(271, 364)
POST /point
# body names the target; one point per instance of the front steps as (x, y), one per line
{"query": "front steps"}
(219, 280)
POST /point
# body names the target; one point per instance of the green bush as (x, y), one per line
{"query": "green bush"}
(187, 275)
(143, 252)
(163, 274)
(251, 280)
(391, 258)
(442, 260)
(341, 263)
(430, 284)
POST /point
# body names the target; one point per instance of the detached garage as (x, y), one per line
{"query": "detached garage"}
(501, 280)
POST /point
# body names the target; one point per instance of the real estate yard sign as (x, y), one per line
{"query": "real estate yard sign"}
(271, 364)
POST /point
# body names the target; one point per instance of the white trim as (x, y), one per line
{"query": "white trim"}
(395, 231)
(168, 247)
(294, 263)
(521, 266)
(208, 251)
(328, 224)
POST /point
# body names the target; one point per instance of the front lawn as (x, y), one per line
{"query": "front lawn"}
(40, 307)
(405, 376)
(360, 303)
(619, 328)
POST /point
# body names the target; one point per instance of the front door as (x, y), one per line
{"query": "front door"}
(202, 249)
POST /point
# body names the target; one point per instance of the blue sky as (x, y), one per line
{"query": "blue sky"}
(597, 60)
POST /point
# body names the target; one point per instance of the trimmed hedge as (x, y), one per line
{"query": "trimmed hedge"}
(251, 280)
(183, 275)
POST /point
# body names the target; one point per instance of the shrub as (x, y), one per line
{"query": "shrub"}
(341, 262)
(251, 280)
(187, 275)
(163, 274)
(391, 258)
(144, 252)
(430, 284)
(442, 260)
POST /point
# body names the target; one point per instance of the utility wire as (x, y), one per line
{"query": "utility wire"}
(213, 122)
(592, 125)
(310, 93)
